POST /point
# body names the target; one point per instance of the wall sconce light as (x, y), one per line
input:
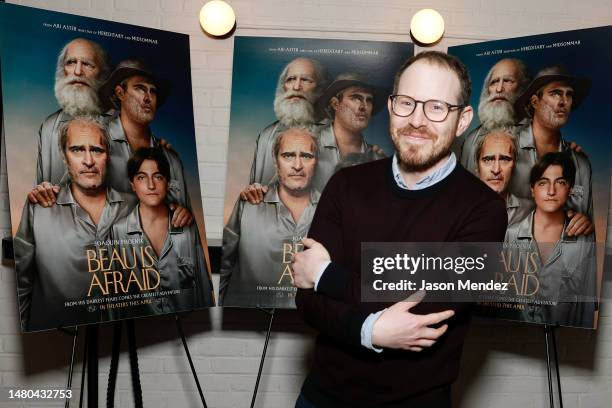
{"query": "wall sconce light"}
(427, 26)
(217, 18)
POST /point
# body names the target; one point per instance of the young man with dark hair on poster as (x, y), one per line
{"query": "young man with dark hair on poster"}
(407, 353)
(565, 270)
(173, 258)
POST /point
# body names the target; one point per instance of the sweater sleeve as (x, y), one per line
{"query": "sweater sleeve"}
(328, 310)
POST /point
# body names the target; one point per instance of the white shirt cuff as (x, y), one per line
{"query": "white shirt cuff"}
(320, 273)
(366, 331)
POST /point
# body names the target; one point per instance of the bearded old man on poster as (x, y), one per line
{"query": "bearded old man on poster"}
(82, 67)
(506, 80)
(299, 85)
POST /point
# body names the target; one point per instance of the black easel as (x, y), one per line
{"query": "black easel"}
(75, 335)
(179, 325)
(90, 352)
(550, 340)
(270, 312)
(133, 353)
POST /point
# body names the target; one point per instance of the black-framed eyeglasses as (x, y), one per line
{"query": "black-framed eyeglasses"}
(435, 111)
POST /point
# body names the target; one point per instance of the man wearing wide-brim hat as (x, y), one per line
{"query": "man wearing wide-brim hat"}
(124, 71)
(349, 102)
(548, 101)
(135, 91)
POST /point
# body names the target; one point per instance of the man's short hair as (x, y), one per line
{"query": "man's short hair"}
(104, 60)
(148, 153)
(320, 74)
(305, 129)
(444, 60)
(86, 119)
(563, 159)
(508, 131)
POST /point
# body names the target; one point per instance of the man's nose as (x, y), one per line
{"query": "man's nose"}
(88, 159)
(298, 163)
(551, 189)
(418, 119)
(496, 169)
(150, 184)
(499, 87)
(78, 68)
(297, 84)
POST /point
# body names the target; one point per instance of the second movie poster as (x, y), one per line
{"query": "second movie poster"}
(301, 109)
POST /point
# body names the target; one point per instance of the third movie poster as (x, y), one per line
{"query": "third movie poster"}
(542, 141)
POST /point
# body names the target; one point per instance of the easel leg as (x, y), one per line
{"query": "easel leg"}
(548, 368)
(549, 338)
(92, 371)
(193, 371)
(554, 344)
(114, 365)
(71, 369)
(131, 331)
(85, 353)
(263, 355)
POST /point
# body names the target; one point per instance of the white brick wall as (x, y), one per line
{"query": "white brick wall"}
(503, 363)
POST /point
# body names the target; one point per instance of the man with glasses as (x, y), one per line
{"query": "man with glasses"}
(381, 354)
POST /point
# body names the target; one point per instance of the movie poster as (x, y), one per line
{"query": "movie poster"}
(103, 180)
(301, 109)
(536, 97)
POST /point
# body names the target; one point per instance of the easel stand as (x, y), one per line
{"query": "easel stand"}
(90, 362)
(550, 341)
(90, 352)
(270, 312)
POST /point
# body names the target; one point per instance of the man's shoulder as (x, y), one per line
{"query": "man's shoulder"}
(270, 129)
(52, 118)
(581, 159)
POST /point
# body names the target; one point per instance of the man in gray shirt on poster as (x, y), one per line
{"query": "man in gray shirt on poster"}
(54, 273)
(260, 240)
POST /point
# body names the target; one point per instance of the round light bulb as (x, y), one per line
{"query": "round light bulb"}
(217, 18)
(427, 26)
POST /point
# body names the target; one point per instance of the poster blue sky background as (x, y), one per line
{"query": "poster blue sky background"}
(30, 40)
(258, 62)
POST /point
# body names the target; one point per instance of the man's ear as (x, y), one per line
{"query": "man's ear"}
(534, 101)
(465, 118)
(334, 102)
(119, 91)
